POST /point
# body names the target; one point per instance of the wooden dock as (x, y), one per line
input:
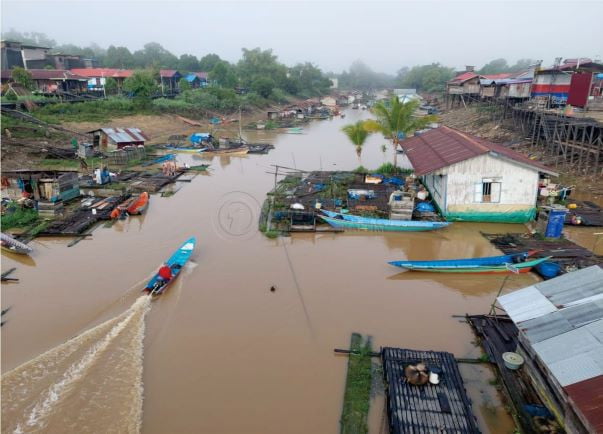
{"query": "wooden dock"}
(563, 251)
(432, 408)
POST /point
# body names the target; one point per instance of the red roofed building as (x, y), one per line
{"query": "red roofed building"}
(97, 76)
(472, 179)
(52, 80)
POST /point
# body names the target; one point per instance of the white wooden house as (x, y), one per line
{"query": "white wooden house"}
(471, 179)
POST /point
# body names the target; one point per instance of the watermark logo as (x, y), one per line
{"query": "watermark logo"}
(236, 216)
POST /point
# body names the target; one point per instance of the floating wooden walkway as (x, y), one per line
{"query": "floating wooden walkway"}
(563, 251)
(441, 408)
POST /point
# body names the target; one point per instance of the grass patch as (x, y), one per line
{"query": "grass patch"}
(272, 234)
(390, 169)
(356, 401)
(64, 163)
(17, 217)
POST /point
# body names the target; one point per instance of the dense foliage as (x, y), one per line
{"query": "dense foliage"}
(425, 78)
(498, 66)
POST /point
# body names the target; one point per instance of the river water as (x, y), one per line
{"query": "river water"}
(222, 353)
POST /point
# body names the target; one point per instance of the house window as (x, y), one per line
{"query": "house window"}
(487, 191)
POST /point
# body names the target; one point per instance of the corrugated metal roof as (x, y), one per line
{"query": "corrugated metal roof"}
(103, 72)
(544, 327)
(572, 287)
(526, 304)
(568, 340)
(124, 135)
(588, 397)
(168, 73)
(47, 74)
(444, 146)
(461, 78)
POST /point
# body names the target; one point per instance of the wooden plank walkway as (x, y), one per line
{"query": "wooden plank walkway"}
(440, 408)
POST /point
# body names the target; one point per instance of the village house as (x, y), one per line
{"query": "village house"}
(47, 185)
(472, 179)
(329, 101)
(464, 87)
(24, 55)
(52, 80)
(573, 82)
(97, 76)
(197, 79)
(169, 80)
(110, 139)
(560, 324)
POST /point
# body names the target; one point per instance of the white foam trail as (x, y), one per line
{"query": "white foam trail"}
(20, 383)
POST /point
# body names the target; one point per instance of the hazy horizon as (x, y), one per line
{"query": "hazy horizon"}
(384, 35)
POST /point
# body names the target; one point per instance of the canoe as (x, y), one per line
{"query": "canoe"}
(140, 204)
(459, 263)
(9, 244)
(185, 149)
(241, 150)
(177, 261)
(522, 267)
(295, 130)
(162, 159)
(347, 221)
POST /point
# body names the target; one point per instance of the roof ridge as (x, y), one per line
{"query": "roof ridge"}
(470, 139)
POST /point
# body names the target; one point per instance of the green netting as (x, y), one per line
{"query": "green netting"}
(520, 216)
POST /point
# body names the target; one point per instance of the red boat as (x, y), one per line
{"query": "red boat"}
(133, 206)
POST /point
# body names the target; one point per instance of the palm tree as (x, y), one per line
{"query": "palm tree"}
(394, 118)
(357, 133)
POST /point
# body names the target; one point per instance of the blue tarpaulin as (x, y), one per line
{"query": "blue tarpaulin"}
(197, 138)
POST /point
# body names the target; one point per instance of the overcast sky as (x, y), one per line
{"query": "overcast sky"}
(386, 35)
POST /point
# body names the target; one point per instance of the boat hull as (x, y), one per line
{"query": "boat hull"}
(522, 267)
(469, 262)
(179, 258)
(140, 205)
(9, 244)
(347, 221)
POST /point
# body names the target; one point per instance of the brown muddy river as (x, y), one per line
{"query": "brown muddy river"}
(221, 353)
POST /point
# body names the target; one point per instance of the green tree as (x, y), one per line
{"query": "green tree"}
(495, 66)
(308, 80)
(263, 86)
(153, 55)
(188, 62)
(184, 85)
(23, 77)
(223, 73)
(141, 85)
(396, 120)
(207, 62)
(522, 65)
(357, 133)
(258, 63)
(426, 78)
(110, 86)
(118, 57)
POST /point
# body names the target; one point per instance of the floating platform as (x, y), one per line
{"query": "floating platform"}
(432, 408)
(498, 335)
(563, 251)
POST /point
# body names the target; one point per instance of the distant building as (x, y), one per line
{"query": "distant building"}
(560, 323)
(197, 79)
(169, 80)
(65, 61)
(329, 101)
(24, 55)
(572, 82)
(110, 139)
(98, 76)
(472, 179)
(334, 82)
(52, 80)
(41, 185)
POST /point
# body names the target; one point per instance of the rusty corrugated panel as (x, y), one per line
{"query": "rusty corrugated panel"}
(444, 146)
(587, 396)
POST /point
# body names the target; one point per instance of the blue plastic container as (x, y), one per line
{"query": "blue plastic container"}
(548, 269)
(554, 227)
(425, 207)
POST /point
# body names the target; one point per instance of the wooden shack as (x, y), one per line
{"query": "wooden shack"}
(111, 139)
(40, 185)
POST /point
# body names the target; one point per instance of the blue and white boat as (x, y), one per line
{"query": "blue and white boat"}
(176, 262)
(348, 221)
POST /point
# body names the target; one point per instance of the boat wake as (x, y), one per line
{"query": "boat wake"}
(48, 394)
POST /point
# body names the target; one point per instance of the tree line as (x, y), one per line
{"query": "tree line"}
(261, 72)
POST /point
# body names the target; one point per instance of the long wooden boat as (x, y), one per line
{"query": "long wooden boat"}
(522, 267)
(190, 149)
(9, 244)
(240, 150)
(468, 262)
(348, 221)
(176, 262)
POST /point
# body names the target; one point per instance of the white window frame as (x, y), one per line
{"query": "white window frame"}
(495, 190)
